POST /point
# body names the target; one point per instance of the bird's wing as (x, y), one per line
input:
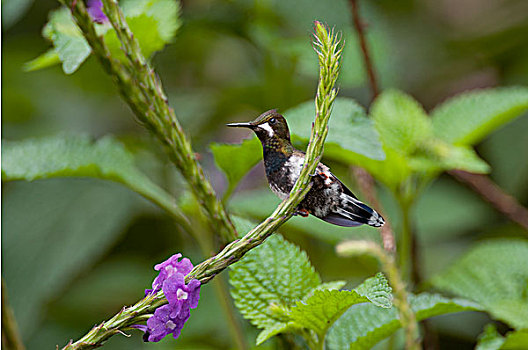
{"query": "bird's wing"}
(352, 212)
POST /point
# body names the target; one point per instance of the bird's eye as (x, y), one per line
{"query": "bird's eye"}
(272, 121)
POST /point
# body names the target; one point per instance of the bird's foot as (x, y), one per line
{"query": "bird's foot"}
(320, 174)
(302, 212)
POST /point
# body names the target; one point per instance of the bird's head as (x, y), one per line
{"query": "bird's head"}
(269, 126)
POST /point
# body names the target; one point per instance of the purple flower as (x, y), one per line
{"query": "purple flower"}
(168, 268)
(170, 318)
(95, 10)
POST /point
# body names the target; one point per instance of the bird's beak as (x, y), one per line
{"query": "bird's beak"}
(241, 125)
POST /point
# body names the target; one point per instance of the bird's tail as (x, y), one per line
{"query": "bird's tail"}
(353, 212)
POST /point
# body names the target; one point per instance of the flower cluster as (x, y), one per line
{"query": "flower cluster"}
(170, 318)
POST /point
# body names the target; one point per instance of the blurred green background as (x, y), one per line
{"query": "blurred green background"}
(74, 251)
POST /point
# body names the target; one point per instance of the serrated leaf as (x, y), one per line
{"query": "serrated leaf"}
(164, 12)
(74, 156)
(145, 30)
(323, 308)
(401, 121)
(69, 44)
(349, 130)
(467, 118)
(235, 160)
(377, 290)
(271, 331)
(364, 325)
(319, 311)
(334, 285)
(270, 278)
(494, 274)
(154, 24)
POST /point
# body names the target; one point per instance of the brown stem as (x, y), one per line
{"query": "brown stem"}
(366, 186)
(493, 194)
(364, 179)
(10, 336)
(369, 67)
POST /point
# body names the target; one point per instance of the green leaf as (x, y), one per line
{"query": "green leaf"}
(145, 31)
(364, 325)
(377, 290)
(53, 230)
(319, 311)
(235, 160)
(271, 331)
(47, 59)
(517, 340)
(467, 118)
(67, 156)
(269, 279)
(323, 308)
(154, 24)
(494, 274)
(492, 340)
(436, 155)
(349, 130)
(68, 41)
(165, 13)
(401, 121)
(334, 285)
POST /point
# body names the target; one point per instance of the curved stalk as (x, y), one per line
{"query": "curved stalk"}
(327, 46)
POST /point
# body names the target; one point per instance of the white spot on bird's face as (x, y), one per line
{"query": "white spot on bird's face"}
(268, 128)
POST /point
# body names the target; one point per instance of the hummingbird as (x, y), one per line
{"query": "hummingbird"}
(328, 199)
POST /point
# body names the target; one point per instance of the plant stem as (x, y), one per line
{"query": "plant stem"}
(368, 189)
(10, 336)
(406, 242)
(142, 90)
(401, 298)
(364, 179)
(327, 46)
(494, 195)
(369, 67)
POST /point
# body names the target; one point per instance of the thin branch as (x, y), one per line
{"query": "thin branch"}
(495, 195)
(142, 90)
(329, 52)
(369, 67)
(401, 298)
(367, 188)
(364, 179)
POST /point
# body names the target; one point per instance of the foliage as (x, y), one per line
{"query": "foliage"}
(235, 59)
(153, 22)
(236, 160)
(410, 147)
(278, 298)
(67, 156)
(29, 256)
(490, 339)
(493, 274)
(467, 118)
